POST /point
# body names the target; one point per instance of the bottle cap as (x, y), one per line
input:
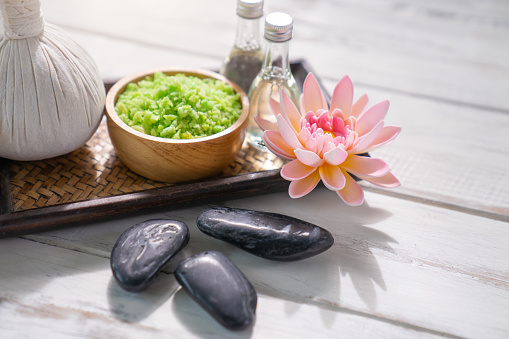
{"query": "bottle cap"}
(250, 9)
(278, 27)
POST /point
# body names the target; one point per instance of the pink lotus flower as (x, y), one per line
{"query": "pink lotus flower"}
(324, 144)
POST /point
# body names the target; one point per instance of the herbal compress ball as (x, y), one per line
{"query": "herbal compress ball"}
(51, 94)
(179, 106)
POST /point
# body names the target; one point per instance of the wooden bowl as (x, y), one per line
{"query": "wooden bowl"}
(171, 160)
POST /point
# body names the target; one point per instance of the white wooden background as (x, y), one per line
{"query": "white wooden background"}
(427, 260)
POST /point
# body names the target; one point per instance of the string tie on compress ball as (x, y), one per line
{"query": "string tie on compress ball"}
(21, 19)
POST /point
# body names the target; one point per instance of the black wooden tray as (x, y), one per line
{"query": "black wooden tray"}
(15, 220)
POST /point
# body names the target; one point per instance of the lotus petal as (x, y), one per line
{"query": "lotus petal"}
(338, 125)
(323, 120)
(311, 145)
(299, 188)
(288, 133)
(369, 119)
(277, 144)
(275, 105)
(266, 125)
(386, 181)
(332, 177)
(296, 170)
(351, 140)
(308, 158)
(342, 96)
(320, 140)
(328, 147)
(335, 156)
(367, 139)
(365, 166)
(337, 113)
(289, 111)
(302, 104)
(313, 95)
(310, 118)
(279, 154)
(359, 105)
(387, 134)
(304, 136)
(351, 193)
(327, 140)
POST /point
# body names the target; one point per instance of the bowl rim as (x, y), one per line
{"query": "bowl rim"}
(119, 87)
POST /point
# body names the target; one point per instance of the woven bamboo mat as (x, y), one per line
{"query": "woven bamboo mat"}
(94, 171)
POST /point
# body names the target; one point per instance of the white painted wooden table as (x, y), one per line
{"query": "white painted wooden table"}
(427, 260)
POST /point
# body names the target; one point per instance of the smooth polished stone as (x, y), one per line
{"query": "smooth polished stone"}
(142, 250)
(219, 286)
(267, 235)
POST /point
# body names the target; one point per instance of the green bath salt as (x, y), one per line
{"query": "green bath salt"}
(179, 106)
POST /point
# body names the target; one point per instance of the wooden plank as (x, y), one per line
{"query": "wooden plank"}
(393, 259)
(52, 292)
(451, 50)
(443, 154)
(5, 188)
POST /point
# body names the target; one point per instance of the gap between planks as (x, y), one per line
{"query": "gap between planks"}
(436, 203)
(327, 305)
(427, 97)
(147, 43)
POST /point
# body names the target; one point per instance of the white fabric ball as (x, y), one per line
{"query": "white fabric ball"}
(51, 95)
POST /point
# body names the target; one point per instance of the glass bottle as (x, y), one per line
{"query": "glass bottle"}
(274, 75)
(246, 56)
